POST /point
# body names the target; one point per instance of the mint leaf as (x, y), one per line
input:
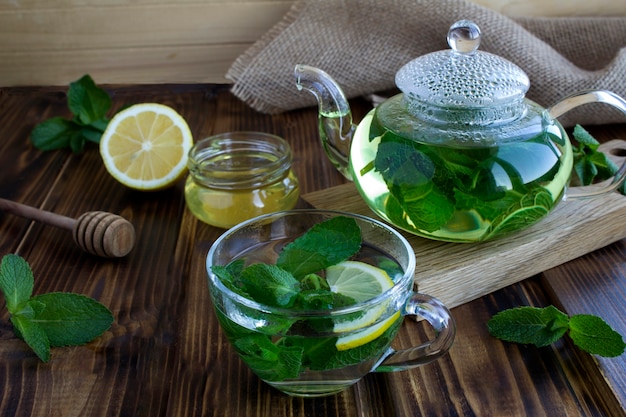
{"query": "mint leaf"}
(410, 176)
(230, 275)
(590, 164)
(583, 137)
(34, 336)
(54, 133)
(53, 319)
(86, 101)
(77, 142)
(91, 133)
(594, 335)
(89, 105)
(269, 284)
(16, 281)
(604, 166)
(325, 244)
(30, 309)
(322, 299)
(100, 125)
(269, 362)
(317, 351)
(530, 208)
(542, 326)
(278, 325)
(71, 319)
(586, 170)
(529, 325)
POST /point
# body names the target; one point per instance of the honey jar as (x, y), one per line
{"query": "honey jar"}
(240, 175)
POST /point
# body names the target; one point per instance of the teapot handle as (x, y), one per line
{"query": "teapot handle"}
(586, 97)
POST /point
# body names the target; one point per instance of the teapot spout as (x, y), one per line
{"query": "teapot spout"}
(335, 119)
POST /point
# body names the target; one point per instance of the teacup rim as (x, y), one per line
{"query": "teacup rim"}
(390, 294)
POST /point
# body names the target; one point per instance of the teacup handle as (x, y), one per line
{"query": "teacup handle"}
(440, 319)
(586, 97)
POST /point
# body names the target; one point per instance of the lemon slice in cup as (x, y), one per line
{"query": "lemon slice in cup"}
(361, 282)
(146, 146)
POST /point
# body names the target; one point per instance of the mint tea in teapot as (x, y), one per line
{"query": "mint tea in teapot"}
(458, 190)
(460, 154)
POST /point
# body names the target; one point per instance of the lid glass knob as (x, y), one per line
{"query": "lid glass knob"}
(464, 37)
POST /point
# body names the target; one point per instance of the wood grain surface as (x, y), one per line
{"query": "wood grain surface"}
(165, 355)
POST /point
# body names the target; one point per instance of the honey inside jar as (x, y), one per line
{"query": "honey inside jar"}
(237, 176)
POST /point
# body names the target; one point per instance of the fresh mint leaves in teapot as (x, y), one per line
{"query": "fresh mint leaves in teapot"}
(461, 154)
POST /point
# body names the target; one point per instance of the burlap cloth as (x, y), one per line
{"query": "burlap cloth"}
(362, 43)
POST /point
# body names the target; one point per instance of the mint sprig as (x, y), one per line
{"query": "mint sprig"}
(590, 164)
(543, 326)
(52, 319)
(89, 105)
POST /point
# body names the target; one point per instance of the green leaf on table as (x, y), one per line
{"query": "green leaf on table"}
(529, 325)
(34, 336)
(30, 309)
(594, 335)
(86, 101)
(604, 166)
(54, 133)
(325, 244)
(77, 142)
(542, 326)
(16, 281)
(89, 105)
(586, 171)
(91, 133)
(71, 319)
(52, 319)
(591, 164)
(583, 137)
(99, 126)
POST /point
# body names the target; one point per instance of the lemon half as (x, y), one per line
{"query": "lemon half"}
(146, 146)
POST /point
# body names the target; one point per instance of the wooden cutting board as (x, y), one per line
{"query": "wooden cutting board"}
(460, 272)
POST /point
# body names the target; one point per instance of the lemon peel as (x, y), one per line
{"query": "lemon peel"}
(360, 281)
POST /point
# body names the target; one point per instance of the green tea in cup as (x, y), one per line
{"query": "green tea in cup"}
(312, 299)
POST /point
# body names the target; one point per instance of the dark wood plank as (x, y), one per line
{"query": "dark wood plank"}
(166, 356)
(595, 284)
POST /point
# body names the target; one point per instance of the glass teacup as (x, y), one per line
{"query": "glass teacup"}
(308, 352)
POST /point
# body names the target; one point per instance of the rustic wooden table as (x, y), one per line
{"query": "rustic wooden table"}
(165, 355)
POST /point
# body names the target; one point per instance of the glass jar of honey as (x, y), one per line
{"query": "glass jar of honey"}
(239, 175)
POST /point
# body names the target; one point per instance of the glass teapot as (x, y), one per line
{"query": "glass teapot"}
(460, 155)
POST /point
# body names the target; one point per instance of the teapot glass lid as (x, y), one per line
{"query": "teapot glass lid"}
(463, 76)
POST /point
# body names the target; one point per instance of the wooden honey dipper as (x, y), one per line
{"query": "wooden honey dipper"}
(97, 232)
